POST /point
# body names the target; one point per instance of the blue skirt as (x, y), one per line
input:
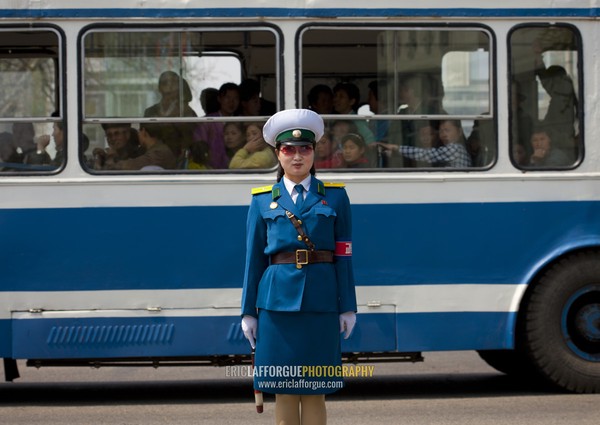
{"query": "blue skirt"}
(298, 353)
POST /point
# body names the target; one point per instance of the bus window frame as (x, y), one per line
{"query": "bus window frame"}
(580, 94)
(492, 90)
(61, 91)
(178, 28)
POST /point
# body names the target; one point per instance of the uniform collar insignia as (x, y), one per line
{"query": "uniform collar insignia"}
(321, 189)
(276, 193)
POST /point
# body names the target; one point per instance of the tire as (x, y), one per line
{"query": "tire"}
(510, 362)
(561, 329)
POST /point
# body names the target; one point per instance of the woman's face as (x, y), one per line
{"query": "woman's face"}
(252, 132)
(427, 136)
(540, 140)
(296, 163)
(351, 151)
(342, 102)
(229, 102)
(449, 133)
(233, 137)
(168, 86)
(118, 137)
(324, 148)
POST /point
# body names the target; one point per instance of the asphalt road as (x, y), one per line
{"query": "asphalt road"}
(448, 388)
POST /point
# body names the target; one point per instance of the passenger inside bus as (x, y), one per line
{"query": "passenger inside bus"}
(212, 132)
(256, 153)
(41, 156)
(157, 153)
(354, 151)
(175, 95)
(327, 153)
(123, 143)
(562, 110)
(346, 100)
(320, 99)
(452, 153)
(251, 102)
(544, 151)
(208, 100)
(234, 138)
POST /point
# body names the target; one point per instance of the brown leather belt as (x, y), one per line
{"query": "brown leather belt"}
(302, 257)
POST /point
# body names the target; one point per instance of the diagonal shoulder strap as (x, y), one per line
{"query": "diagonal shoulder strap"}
(304, 237)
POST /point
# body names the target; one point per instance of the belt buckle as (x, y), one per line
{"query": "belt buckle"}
(299, 261)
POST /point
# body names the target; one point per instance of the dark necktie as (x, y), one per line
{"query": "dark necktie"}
(300, 199)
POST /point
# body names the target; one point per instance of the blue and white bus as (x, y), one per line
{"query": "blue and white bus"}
(142, 264)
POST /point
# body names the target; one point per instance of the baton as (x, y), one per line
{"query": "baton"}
(258, 395)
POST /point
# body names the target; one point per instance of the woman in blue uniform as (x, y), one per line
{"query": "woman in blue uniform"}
(298, 294)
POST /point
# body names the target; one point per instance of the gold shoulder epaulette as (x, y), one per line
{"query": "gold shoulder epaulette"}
(330, 184)
(262, 189)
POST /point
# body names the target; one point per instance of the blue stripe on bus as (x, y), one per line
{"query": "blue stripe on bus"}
(252, 12)
(205, 336)
(204, 247)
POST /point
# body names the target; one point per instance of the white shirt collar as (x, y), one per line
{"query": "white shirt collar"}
(289, 185)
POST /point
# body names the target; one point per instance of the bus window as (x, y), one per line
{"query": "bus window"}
(429, 93)
(159, 100)
(31, 132)
(545, 97)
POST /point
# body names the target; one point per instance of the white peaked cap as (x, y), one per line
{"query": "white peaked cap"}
(294, 127)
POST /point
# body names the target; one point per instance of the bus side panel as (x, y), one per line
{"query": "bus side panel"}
(455, 331)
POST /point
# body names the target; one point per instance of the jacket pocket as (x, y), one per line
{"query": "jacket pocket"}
(327, 212)
(273, 214)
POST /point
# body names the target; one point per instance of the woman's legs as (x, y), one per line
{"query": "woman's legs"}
(313, 410)
(287, 409)
(289, 406)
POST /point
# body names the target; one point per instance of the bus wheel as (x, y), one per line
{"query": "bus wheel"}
(562, 324)
(510, 362)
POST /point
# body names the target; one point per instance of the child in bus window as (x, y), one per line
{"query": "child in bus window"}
(354, 151)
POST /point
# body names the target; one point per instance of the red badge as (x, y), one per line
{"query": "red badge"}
(324, 202)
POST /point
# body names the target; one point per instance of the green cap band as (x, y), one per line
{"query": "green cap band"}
(297, 134)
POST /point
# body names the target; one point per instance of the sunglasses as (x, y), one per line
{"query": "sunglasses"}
(292, 150)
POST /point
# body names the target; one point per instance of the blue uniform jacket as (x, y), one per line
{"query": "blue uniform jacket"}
(316, 287)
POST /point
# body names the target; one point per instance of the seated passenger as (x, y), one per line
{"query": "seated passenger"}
(452, 152)
(346, 100)
(156, 152)
(354, 151)
(212, 132)
(327, 153)
(544, 154)
(256, 153)
(123, 143)
(234, 138)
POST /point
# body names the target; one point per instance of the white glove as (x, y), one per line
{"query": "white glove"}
(249, 326)
(347, 322)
